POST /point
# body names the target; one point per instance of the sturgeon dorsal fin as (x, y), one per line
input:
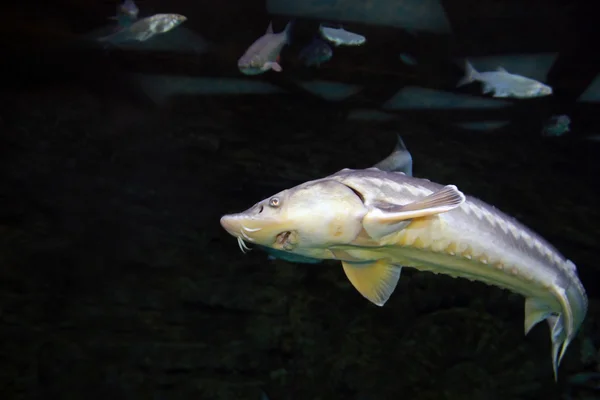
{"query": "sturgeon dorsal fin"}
(387, 218)
(376, 281)
(501, 69)
(400, 160)
(270, 27)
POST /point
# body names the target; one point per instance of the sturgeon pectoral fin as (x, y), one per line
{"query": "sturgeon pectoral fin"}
(387, 218)
(535, 312)
(375, 281)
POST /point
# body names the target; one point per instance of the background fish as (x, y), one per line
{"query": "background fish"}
(316, 53)
(127, 13)
(146, 28)
(557, 125)
(408, 59)
(504, 84)
(263, 54)
(341, 37)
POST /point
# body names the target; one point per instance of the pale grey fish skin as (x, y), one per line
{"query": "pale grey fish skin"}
(262, 55)
(504, 84)
(145, 28)
(532, 267)
(341, 37)
(400, 160)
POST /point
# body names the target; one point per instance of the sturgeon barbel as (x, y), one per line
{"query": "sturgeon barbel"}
(376, 222)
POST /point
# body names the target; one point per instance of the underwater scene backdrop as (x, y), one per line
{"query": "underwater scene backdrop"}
(133, 135)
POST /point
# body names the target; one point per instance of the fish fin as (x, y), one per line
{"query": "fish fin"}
(387, 218)
(400, 143)
(567, 319)
(276, 67)
(535, 312)
(487, 88)
(288, 31)
(400, 160)
(145, 36)
(501, 94)
(375, 281)
(501, 69)
(270, 28)
(559, 341)
(471, 75)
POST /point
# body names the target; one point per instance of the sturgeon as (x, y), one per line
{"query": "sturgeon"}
(377, 222)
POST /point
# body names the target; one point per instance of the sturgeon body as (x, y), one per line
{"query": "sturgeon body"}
(376, 222)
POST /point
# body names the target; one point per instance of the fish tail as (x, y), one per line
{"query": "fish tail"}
(563, 324)
(560, 341)
(558, 322)
(288, 31)
(471, 75)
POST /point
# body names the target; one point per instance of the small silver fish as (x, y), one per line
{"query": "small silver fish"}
(341, 37)
(146, 28)
(504, 84)
(263, 54)
(557, 125)
(316, 53)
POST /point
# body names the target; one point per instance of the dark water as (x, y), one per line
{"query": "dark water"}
(117, 281)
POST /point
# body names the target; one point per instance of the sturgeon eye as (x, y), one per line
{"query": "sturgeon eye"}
(274, 202)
